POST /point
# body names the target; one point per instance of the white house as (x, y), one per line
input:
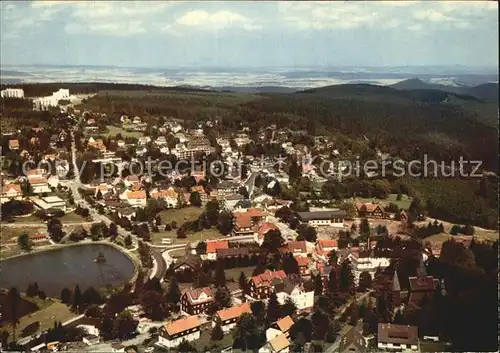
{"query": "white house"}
(397, 338)
(302, 296)
(39, 185)
(11, 192)
(12, 93)
(186, 329)
(369, 264)
(135, 198)
(49, 202)
(323, 218)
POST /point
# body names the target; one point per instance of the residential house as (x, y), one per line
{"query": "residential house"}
(201, 191)
(187, 263)
(323, 218)
(135, 198)
(304, 265)
(420, 287)
(144, 140)
(300, 292)
(279, 344)
(262, 231)
(161, 141)
(324, 247)
(11, 192)
(14, 145)
(213, 246)
(399, 338)
(170, 196)
(127, 212)
(227, 187)
(297, 248)
(282, 326)
(53, 181)
(230, 201)
(369, 210)
(261, 286)
(368, 261)
(131, 180)
(196, 301)
(227, 318)
(50, 202)
(353, 342)
(39, 185)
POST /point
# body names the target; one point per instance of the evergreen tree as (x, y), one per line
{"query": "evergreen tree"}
(217, 333)
(332, 258)
(220, 275)
(77, 299)
(365, 281)
(333, 282)
(318, 285)
(13, 304)
(174, 293)
(288, 308)
(347, 284)
(25, 242)
(65, 296)
(273, 309)
(222, 298)
(243, 283)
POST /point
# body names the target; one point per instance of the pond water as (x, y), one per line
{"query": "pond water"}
(67, 267)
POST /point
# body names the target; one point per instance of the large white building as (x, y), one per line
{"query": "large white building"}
(43, 103)
(12, 93)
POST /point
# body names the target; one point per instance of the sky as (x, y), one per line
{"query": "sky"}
(249, 34)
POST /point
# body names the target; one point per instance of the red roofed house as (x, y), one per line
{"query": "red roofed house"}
(11, 192)
(213, 246)
(196, 301)
(369, 210)
(13, 145)
(200, 190)
(297, 248)
(173, 333)
(323, 248)
(244, 222)
(303, 263)
(280, 327)
(170, 196)
(135, 198)
(261, 285)
(262, 230)
(227, 318)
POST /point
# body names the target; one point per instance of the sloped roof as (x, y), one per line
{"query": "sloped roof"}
(234, 312)
(353, 336)
(213, 246)
(265, 279)
(193, 295)
(285, 323)
(182, 325)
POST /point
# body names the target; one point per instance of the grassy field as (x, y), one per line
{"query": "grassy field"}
(180, 215)
(47, 316)
(404, 203)
(205, 234)
(205, 342)
(113, 130)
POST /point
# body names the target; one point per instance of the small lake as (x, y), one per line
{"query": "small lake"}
(67, 267)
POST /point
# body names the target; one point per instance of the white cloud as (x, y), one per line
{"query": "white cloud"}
(217, 20)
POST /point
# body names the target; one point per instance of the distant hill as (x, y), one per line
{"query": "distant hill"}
(251, 89)
(486, 92)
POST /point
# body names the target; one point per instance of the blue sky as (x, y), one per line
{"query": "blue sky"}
(246, 34)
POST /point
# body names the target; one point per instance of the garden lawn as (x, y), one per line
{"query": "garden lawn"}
(213, 346)
(205, 234)
(113, 130)
(52, 311)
